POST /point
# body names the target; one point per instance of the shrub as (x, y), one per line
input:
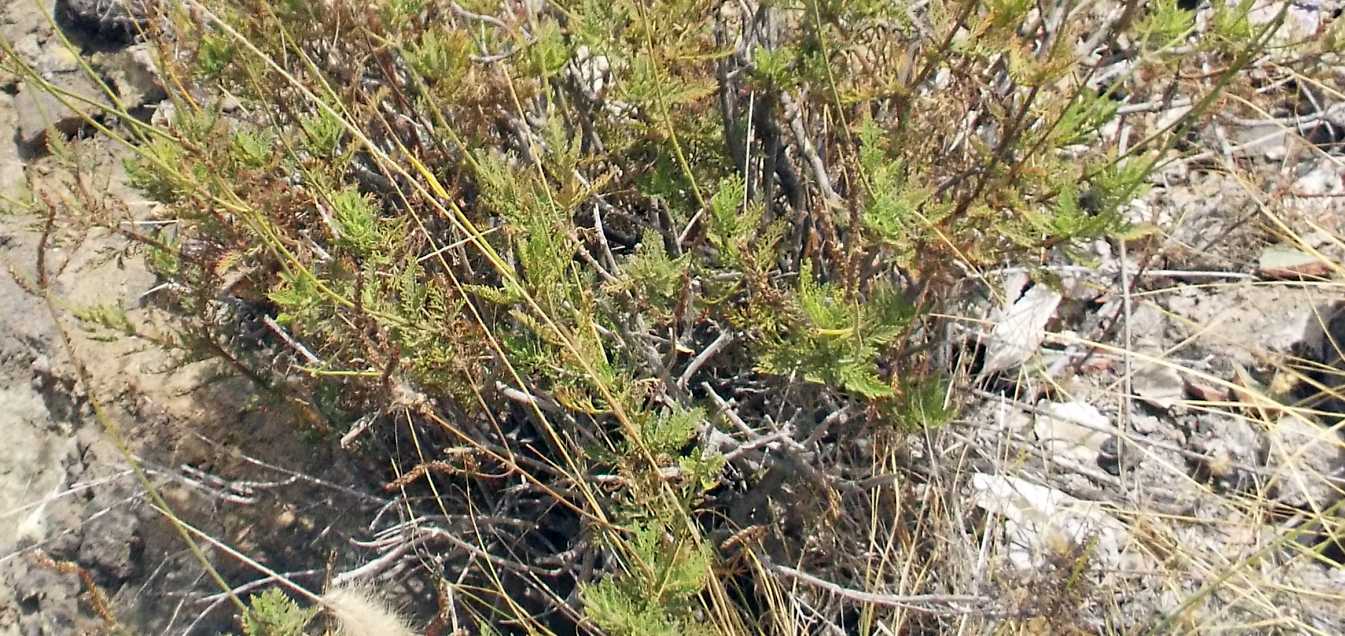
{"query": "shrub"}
(657, 283)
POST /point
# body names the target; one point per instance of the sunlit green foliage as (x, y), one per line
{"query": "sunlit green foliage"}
(617, 253)
(272, 613)
(654, 597)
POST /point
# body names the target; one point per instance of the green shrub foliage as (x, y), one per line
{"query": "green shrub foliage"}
(635, 273)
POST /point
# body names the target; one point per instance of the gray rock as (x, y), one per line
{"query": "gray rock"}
(1306, 459)
(48, 601)
(13, 181)
(1230, 446)
(39, 110)
(1236, 321)
(27, 26)
(116, 20)
(1322, 346)
(1158, 384)
(134, 76)
(112, 545)
(1145, 424)
(1148, 323)
(56, 59)
(29, 48)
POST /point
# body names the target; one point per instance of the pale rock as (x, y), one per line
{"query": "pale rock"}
(1148, 323)
(38, 111)
(1239, 320)
(1081, 286)
(1323, 179)
(1012, 419)
(1279, 261)
(1138, 212)
(29, 48)
(1318, 240)
(57, 59)
(1145, 424)
(1158, 384)
(591, 73)
(230, 104)
(1305, 457)
(1301, 21)
(1109, 130)
(27, 19)
(1168, 118)
(1269, 140)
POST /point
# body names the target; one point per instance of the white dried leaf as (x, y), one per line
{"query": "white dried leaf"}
(1020, 329)
(1036, 518)
(1075, 429)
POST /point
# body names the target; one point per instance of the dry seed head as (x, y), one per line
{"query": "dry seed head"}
(360, 612)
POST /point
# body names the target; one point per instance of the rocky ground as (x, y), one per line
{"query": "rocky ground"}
(1199, 485)
(1193, 483)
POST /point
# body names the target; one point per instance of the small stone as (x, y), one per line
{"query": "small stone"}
(1322, 180)
(1145, 424)
(134, 75)
(230, 104)
(53, 595)
(1148, 323)
(39, 110)
(1158, 384)
(57, 59)
(1034, 518)
(1170, 117)
(1270, 140)
(1300, 22)
(591, 73)
(1288, 263)
(29, 48)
